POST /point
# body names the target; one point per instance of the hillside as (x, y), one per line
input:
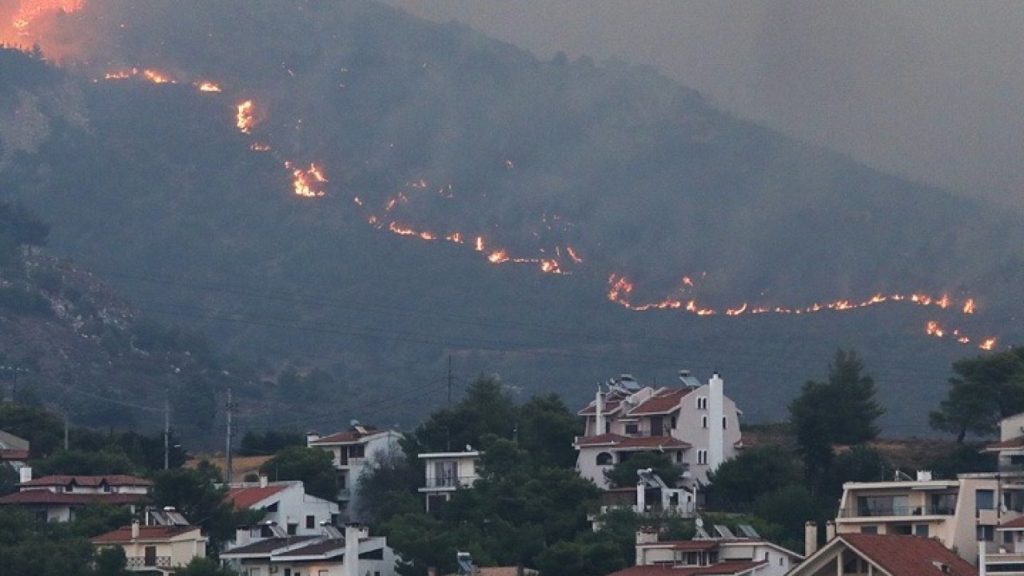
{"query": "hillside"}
(156, 188)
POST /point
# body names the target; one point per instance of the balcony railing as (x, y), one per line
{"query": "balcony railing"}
(450, 481)
(878, 511)
(140, 562)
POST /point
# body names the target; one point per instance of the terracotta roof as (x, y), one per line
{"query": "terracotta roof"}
(908, 555)
(124, 533)
(242, 498)
(611, 405)
(729, 568)
(1014, 524)
(600, 440)
(664, 402)
(12, 454)
(109, 480)
(1017, 442)
(47, 497)
(268, 545)
(348, 436)
(653, 442)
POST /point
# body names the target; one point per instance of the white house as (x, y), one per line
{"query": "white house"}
(57, 498)
(352, 449)
(355, 553)
(156, 549)
(696, 425)
(286, 504)
(447, 472)
(883, 555)
(14, 450)
(725, 554)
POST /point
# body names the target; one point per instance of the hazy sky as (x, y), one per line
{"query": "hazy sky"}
(929, 89)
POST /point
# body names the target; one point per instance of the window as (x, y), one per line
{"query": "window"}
(984, 499)
(604, 459)
(702, 403)
(869, 529)
(310, 522)
(342, 481)
(703, 421)
(702, 456)
(986, 533)
(445, 473)
(657, 426)
(292, 528)
(357, 451)
(724, 425)
(632, 428)
(150, 556)
(673, 422)
(679, 456)
(921, 530)
(287, 572)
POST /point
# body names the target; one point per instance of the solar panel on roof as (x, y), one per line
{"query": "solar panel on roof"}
(749, 531)
(724, 532)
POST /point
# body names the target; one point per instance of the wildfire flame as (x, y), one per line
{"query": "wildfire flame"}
(244, 117)
(987, 344)
(307, 182)
(208, 87)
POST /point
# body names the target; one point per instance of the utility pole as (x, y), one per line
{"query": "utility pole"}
(167, 429)
(449, 380)
(227, 450)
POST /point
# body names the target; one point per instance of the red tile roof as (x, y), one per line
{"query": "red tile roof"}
(1017, 442)
(908, 555)
(152, 533)
(600, 440)
(348, 436)
(57, 498)
(664, 402)
(616, 441)
(1016, 523)
(110, 480)
(327, 548)
(242, 498)
(12, 454)
(267, 546)
(611, 405)
(729, 568)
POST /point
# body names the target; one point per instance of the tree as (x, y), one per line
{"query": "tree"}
(269, 442)
(314, 467)
(85, 463)
(388, 487)
(740, 481)
(842, 410)
(546, 429)
(985, 389)
(193, 494)
(789, 507)
(623, 474)
(205, 567)
(486, 409)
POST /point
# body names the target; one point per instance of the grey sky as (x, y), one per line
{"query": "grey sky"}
(929, 89)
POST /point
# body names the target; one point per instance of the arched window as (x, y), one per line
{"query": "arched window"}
(604, 459)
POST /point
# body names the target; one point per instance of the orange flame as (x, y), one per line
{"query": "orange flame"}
(988, 344)
(306, 183)
(573, 255)
(497, 257)
(259, 147)
(157, 77)
(244, 118)
(969, 306)
(208, 87)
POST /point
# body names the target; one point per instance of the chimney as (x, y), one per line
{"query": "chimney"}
(810, 538)
(25, 474)
(599, 403)
(243, 536)
(352, 534)
(641, 496)
(264, 481)
(135, 529)
(311, 437)
(830, 530)
(716, 429)
(924, 475)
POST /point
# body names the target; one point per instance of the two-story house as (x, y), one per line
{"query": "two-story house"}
(725, 554)
(882, 555)
(57, 498)
(160, 549)
(351, 450)
(696, 425)
(332, 553)
(964, 514)
(286, 504)
(447, 472)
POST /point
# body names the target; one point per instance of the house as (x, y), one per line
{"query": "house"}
(447, 472)
(352, 449)
(14, 451)
(883, 555)
(57, 498)
(1006, 555)
(651, 495)
(286, 504)
(725, 554)
(329, 554)
(696, 425)
(962, 514)
(1010, 448)
(156, 549)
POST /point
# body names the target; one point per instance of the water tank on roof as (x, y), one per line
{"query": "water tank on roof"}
(628, 382)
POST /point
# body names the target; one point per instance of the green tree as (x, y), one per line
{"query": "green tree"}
(193, 494)
(546, 429)
(85, 463)
(205, 567)
(312, 466)
(487, 408)
(111, 561)
(623, 474)
(269, 442)
(740, 481)
(388, 488)
(789, 507)
(858, 464)
(985, 389)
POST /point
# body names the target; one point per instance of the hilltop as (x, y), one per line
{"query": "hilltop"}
(154, 186)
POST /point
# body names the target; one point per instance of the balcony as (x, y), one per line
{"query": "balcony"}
(142, 562)
(896, 511)
(448, 482)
